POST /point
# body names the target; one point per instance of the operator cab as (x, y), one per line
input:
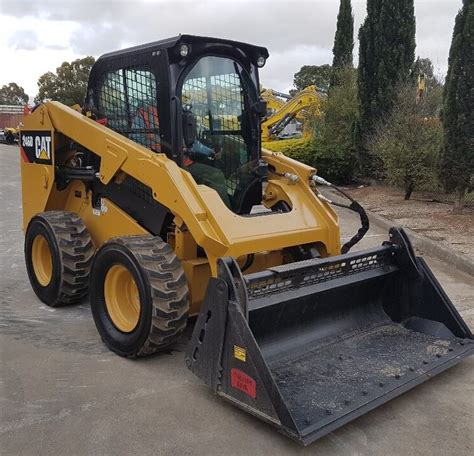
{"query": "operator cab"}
(195, 99)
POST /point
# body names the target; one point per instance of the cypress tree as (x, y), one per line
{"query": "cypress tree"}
(386, 57)
(457, 164)
(344, 38)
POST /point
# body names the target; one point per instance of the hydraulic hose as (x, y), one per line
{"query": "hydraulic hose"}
(354, 206)
(248, 262)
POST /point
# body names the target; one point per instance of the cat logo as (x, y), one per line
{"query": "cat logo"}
(43, 147)
(36, 147)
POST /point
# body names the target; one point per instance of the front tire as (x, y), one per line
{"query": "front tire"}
(139, 295)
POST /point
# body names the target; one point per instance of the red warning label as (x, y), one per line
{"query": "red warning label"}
(241, 381)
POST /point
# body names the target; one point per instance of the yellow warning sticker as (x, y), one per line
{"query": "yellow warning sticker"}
(240, 353)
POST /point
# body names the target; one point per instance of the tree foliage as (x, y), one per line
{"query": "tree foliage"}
(331, 147)
(335, 155)
(13, 94)
(68, 85)
(301, 149)
(408, 144)
(344, 38)
(386, 57)
(457, 167)
(318, 75)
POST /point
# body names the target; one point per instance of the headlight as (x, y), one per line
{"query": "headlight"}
(261, 61)
(184, 50)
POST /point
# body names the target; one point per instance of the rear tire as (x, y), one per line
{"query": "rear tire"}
(139, 295)
(58, 254)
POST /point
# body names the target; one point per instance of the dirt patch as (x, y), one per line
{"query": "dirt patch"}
(423, 214)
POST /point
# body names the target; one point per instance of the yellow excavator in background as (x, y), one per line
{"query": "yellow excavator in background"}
(11, 134)
(421, 88)
(284, 112)
(275, 100)
(158, 202)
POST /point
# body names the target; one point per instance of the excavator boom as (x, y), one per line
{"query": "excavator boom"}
(273, 125)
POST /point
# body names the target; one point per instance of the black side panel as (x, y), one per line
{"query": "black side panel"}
(137, 201)
(247, 380)
(204, 351)
(224, 354)
(436, 305)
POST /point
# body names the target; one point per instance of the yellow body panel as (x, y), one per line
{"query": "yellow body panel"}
(37, 179)
(37, 183)
(110, 222)
(201, 218)
(197, 273)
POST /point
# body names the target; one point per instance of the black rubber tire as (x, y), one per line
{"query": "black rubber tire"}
(163, 293)
(71, 250)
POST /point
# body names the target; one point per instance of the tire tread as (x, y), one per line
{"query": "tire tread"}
(168, 290)
(76, 250)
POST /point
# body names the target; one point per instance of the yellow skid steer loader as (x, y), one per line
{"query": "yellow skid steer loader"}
(157, 201)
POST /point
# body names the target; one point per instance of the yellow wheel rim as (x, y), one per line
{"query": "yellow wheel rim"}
(122, 298)
(42, 260)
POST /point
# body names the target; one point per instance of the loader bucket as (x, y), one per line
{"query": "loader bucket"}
(313, 345)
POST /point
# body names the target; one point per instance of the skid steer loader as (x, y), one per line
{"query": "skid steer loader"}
(157, 201)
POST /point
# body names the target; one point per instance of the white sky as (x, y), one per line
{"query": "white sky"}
(37, 36)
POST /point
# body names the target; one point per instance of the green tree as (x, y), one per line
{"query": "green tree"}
(335, 155)
(386, 57)
(457, 165)
(344, 38)
(68, 85)
(13, 94)
(318, 75)
(408, 143)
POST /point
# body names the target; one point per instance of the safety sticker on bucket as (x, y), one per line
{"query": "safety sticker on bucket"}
(240, 353)
(241, 381)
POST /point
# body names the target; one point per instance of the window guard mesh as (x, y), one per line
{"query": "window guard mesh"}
(128, 100)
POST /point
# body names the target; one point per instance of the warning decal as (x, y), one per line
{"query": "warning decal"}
(241, 381)
(36, 146)
(240, 353)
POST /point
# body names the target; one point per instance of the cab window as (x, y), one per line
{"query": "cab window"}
(214, 92)
(128, 102)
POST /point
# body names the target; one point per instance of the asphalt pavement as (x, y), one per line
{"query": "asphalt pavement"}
(63, 393)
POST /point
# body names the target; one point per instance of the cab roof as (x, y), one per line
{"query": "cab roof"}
(201, 42)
